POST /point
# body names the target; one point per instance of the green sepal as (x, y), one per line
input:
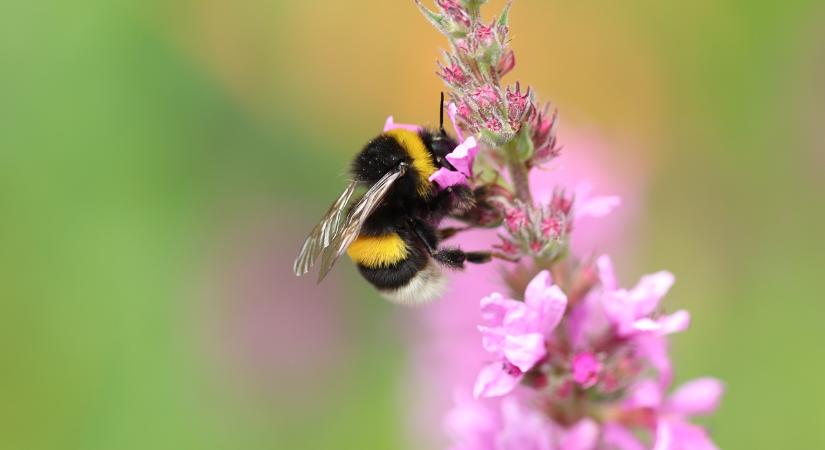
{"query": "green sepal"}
(492, 53)
(505, 15)
(437, 20)
(490, 137)
(473, 7)
(524, 143)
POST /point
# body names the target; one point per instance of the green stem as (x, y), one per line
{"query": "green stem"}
(518, 172)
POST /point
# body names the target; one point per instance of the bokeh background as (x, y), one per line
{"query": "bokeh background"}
(160, 162)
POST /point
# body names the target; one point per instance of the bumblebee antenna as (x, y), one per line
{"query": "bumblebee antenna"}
(441, 114)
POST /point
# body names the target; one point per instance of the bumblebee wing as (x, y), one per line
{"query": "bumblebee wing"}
(322, 235)
(356, 218)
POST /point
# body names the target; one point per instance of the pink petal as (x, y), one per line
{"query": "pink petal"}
(596, 207)
(653, 348)
(524, 351)
(700, 396)
(445, 178)
(493, 309)
(547, 299)
(586, 321)
(537, 286)
(471, 423)
(619, 310)
(644, 394)
(552, 308)
(617, 436)
(492, 339)
(391, 125)
(494, 381)
(463, 155)
(524, 428)
(673, 323)
(678, 435)
(607, 276)
(584, 435)
(452, 111)
(664, 436)
(649, 291)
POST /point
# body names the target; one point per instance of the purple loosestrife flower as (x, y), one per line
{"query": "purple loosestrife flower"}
(576, 362)
(514, 332)
(630, 311)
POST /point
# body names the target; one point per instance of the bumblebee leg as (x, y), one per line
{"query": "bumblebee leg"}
(450, 257)
(479, 257)
(425, 233)
(446, 233)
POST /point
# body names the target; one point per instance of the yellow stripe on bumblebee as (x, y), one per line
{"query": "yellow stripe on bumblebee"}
(378, 251)
(412, 143)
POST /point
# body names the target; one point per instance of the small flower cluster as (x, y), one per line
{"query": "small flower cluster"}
(473, 69)
(542, 231)
(576, 363)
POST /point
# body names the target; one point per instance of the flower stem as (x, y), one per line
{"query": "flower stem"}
(518, 172)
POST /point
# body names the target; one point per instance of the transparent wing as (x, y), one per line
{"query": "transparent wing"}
(321, 236)
(355, 220)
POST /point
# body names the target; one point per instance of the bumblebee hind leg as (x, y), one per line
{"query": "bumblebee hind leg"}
(455, 257)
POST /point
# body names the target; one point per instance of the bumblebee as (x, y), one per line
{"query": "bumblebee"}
(391, 232)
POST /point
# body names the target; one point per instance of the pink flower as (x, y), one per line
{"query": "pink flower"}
(462, 159)
(391, 125)
(587, 205)
(455, 11)
(630, 310)
(492, 124)
(512, 425)
(673, 431)
(551, 227)
(484, 33)
(515, 332)
(506, 63)
(586, 369)
(445, 178)
(453, 74)
(517, 104)
(452, 112)
(515, 218)
(615, 436)
(463, 156)
(464, 112)
(485, 96)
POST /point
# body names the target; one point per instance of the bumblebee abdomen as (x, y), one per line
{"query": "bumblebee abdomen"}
(412, 278)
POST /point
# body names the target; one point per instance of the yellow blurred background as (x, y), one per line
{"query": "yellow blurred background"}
(160, 162)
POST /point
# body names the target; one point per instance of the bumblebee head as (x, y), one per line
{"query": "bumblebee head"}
(439, 144)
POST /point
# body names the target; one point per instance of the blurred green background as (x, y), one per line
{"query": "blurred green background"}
(161, 160)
